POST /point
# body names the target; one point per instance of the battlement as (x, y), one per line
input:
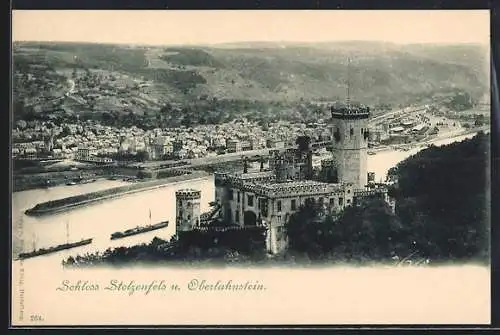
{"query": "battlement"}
(287, 189)
(350, 112)
(367, 193)
(238, 179)
(252, 175)
(188, 194)
(210, 228)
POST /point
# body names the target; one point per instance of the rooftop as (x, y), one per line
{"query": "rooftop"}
(397, 129)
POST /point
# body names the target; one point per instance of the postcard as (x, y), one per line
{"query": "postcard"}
(250, 168)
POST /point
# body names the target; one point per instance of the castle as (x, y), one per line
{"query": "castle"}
(268, 198)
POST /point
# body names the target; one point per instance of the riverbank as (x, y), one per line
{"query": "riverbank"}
(64, 204)
(429, 140)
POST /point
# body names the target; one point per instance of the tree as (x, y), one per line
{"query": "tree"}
(21, 124)
(446, 213)
(141, 156)
(303, 142)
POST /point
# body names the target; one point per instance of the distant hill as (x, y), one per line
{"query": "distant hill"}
(380, 72)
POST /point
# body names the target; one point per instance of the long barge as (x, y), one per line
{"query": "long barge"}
(138, 230)
(64, 204)
(60, 247)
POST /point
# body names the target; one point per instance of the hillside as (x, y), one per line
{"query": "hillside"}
(447, 214)
(380, 72)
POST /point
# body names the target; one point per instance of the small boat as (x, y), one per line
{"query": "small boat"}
(139, 230)
(64, 246)
(87, 181)
(372, 153)
(71, 183)
(43, 251)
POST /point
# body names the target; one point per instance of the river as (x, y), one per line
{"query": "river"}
(101, 219)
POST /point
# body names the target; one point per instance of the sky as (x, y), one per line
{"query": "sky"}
(164, 27)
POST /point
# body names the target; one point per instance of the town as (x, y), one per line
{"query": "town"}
(90, 141)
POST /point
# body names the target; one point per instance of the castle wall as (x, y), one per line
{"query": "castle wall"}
(352, 166)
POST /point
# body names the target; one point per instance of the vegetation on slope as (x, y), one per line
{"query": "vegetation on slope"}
(380, 74)
(443, 195)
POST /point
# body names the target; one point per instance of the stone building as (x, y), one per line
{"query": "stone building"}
(187, 209)
(269, 197)
(258, 199)
(233, 145)
(292, 164)
(350, 143)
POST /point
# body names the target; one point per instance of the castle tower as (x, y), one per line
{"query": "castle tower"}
(350, 141)
(187, 209)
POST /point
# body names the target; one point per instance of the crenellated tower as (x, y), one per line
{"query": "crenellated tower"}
(350, 140)
(187, 209)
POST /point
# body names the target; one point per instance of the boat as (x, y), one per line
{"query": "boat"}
(44, 251)
(139, 230)
(71, 183)
(87, 181)
(372, 153)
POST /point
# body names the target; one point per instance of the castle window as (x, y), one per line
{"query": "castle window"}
(348, 191)
(189, 217)
(279, 218)
(250, 200)
(278, 204)
(236, 216)
(230, 195)
(352, 131)
(341, 201)
(332, 201)
(238, 196)
(348, 201)
(293, 204)
(336, 135)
